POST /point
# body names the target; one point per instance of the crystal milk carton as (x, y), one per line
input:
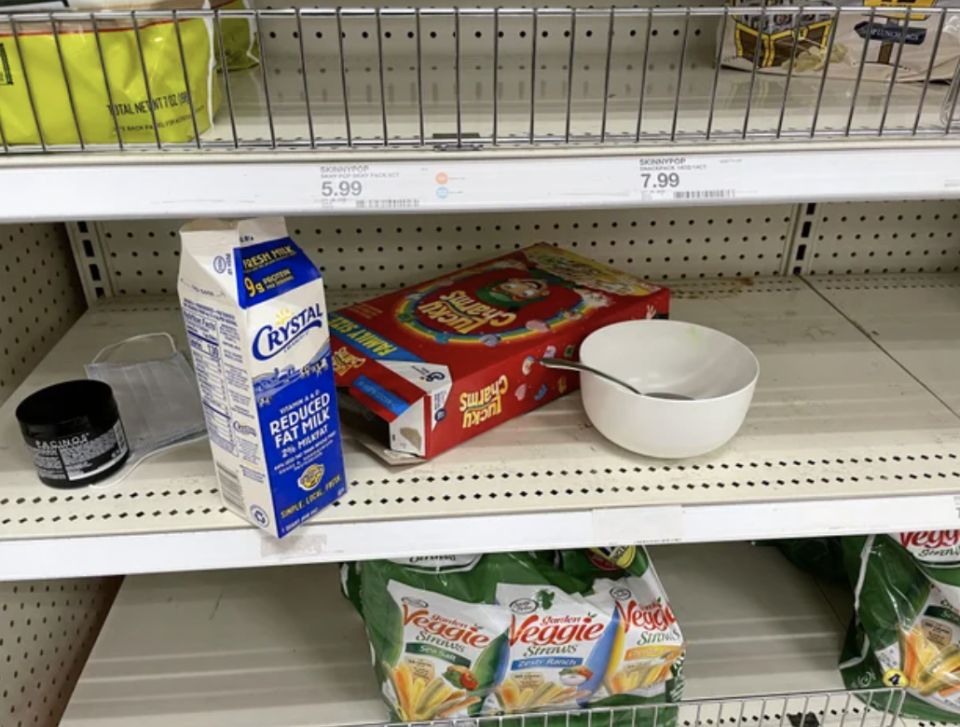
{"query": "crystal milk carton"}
(256, 321)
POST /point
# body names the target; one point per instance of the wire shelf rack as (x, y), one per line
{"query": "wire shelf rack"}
(859, 708)
(461, 78)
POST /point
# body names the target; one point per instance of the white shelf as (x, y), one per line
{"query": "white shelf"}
(175, 185)
(841, 438)
(743, 158)
(279, 647)
(515, 175)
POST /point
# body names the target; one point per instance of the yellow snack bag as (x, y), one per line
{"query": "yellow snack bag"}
(32, 57)
(241, 46)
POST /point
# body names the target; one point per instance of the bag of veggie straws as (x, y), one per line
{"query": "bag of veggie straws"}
(646, 662)
(506, 634)
(906, 628)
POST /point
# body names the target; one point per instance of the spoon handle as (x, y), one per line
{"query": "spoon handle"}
(554, 363)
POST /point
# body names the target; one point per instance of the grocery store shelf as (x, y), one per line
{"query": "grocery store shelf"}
(840, 439)
(557, 123)
(278, 647)
(602, 170)
(130, 186)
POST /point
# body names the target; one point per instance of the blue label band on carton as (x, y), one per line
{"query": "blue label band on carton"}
(364, 340)
(269, 269)
(386, 399)
(300, 435)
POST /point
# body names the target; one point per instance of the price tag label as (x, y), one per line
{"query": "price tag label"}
(638, 525)
(368, 187)
(687, 179)
(532, 183)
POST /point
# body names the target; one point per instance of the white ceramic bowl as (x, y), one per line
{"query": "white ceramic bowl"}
(716, 371)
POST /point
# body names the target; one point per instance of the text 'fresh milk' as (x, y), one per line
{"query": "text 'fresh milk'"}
(256, 321)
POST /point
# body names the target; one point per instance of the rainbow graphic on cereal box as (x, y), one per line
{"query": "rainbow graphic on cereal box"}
(425, 368)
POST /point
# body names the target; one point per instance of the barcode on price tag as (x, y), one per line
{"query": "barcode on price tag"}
(392, 204)
(705, 194)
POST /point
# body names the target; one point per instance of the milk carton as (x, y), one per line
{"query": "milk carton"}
(256, 321)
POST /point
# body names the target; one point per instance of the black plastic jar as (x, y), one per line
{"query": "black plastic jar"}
(73, 432)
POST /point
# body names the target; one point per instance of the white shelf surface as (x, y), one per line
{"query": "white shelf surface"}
(280, 647)
(914, 318)
(841, 438)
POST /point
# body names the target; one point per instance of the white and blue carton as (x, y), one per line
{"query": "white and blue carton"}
(257, 324)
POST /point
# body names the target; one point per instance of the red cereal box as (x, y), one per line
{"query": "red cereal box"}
(422, 369)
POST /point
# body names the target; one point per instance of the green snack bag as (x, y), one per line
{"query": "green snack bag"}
(350, 584)
(820, 557)
(512, 634)
(646, 662)
(906, 628)
(439, 635)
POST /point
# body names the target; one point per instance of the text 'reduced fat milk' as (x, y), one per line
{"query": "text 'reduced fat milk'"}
(256, 320)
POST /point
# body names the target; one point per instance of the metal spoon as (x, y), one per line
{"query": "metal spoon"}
(553, 363)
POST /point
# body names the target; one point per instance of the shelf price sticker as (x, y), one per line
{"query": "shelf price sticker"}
(687, 179)
(527, 183)
(368, 187)
(653, 525)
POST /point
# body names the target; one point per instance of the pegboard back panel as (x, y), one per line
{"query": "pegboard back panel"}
(399, 37)
(40, 297)
(551, 76)
(890, 237)
(388, 251)
(47, 629)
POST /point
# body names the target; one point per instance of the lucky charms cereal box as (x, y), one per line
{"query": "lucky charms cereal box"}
(422, 369)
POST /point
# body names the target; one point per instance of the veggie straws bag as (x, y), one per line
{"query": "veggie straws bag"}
(505, 634)
(906, 629)
(646, 662)
(131, 110)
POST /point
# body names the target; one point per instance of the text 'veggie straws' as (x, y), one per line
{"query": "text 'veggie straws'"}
(503, 634)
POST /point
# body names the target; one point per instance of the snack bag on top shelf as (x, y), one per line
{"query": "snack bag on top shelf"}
(906, 627)
(241, 45)
(896, 34)
(89, 66)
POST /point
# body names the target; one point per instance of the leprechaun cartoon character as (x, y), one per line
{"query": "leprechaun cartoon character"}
(515, 292)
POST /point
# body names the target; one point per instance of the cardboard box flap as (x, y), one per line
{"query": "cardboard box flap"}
(386, 404)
